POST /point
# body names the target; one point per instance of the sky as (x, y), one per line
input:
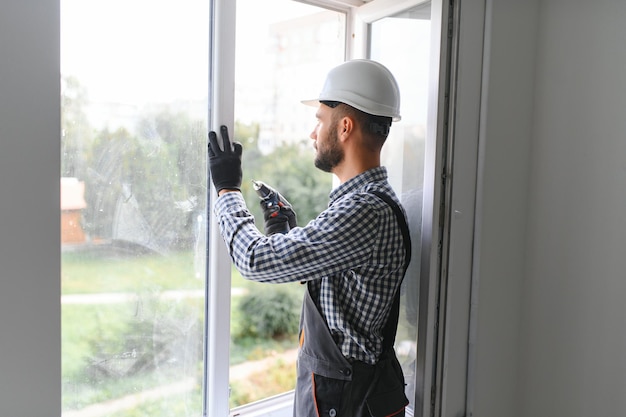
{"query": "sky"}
(138, 51)
(129, 54)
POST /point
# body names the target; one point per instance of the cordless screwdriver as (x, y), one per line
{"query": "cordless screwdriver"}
(268, 196)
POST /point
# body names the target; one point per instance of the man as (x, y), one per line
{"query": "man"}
(352, 256)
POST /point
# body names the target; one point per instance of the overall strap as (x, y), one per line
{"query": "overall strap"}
(389, 331)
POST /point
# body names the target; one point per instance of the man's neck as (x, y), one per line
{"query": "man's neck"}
(350, 169)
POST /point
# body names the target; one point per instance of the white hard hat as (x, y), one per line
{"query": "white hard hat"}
(363, 84)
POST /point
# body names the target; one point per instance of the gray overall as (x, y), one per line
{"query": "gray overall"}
(328, 385)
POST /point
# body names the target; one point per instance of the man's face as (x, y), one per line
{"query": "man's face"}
(326, 140)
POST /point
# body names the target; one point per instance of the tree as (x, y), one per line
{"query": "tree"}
(149, 185)
(290, 170)
(76, 132)
(148, 188)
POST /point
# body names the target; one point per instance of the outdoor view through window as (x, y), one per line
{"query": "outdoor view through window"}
(133, 180)
(134, 195)
(281, 59)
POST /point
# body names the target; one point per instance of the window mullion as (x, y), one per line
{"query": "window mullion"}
(221, 112)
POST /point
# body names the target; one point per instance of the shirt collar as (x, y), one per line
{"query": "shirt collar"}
(353, 184)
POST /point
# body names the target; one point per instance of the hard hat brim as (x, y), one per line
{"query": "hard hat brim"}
(313, 103)
(316, 102)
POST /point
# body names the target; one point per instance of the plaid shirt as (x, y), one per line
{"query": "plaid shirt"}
(352, 254)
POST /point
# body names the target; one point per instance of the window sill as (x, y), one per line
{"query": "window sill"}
(277, 406)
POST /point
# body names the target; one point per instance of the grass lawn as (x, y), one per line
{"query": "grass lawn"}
(87, 273)
(113, 338)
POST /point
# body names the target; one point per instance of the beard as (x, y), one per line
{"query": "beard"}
(331, 154)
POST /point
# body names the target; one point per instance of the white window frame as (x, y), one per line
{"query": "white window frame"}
(453, 389)
(221, 112)
(443, 384)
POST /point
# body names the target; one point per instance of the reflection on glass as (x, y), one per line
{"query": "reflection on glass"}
(133, 184)
(402, 43)
(283, 51)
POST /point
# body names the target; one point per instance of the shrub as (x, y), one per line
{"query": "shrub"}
(271, 312)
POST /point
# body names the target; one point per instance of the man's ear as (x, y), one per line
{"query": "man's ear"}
(346, 127)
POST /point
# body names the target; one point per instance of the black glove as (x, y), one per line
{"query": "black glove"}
(279, 218)
(276, 224)
(225, 166)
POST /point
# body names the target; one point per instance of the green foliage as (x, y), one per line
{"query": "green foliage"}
(289, 169)
(150, 182)
(112, 350)
(84, 324)
(148, 186)
(154, 183)
(130, 338)
(147, 340)
(269, 312)
(76, 134)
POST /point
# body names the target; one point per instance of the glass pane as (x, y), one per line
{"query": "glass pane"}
(402, 43)
(283, 52)
(133, 180)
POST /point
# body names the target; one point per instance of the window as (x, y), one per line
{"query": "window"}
(155, 319)
(134, 105)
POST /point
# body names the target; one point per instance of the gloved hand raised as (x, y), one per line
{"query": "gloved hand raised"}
(225, 165)
(278, 213)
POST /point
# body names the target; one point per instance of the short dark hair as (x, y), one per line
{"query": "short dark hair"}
(375, 127)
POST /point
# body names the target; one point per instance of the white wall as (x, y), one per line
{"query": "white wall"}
(552, 312)
(30, 348)
(574, 337)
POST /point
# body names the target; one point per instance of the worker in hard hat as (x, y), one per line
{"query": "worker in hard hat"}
(352, 256)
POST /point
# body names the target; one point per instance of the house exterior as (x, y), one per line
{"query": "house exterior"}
(72, 205)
